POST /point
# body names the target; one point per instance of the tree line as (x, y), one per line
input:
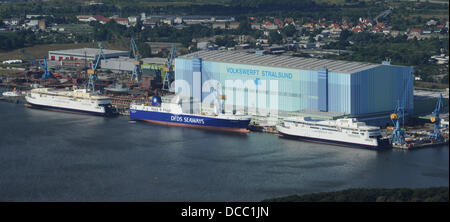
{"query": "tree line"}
(292, 8)
(369, 47)
(10, 41)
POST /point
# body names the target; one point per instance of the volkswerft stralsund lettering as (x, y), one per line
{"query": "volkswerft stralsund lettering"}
(259, 73)
(256, 212)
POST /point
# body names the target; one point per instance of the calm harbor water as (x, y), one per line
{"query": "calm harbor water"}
(52, 156)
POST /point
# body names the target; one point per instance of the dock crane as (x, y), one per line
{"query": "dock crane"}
(169, 69)
(436, 134)
(137, 71)
(398, 135)
(93, 72)
(46, 73)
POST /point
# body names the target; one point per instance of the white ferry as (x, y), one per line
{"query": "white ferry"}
(346, 131)
(77, 101)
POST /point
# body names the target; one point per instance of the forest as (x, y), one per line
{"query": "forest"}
(369, 47)
(286, 8)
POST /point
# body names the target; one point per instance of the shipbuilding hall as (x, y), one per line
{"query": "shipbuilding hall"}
(272, 85)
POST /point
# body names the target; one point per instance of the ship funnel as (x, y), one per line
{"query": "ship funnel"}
(156, 100)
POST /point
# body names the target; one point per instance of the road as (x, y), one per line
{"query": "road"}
(383, 14)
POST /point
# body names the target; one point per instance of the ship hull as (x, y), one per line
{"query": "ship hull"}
(191, 121)
(334, 142)
(70, 104)
(61, 109)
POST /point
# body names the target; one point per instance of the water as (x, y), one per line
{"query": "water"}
(51, 156)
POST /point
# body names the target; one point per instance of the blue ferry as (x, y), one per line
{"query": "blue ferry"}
(171, 114)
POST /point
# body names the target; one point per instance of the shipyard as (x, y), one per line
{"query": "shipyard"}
(224, 101)
(328, 93)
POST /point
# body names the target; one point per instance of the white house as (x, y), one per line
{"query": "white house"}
(85, 18)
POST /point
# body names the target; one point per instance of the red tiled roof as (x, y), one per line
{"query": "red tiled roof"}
(417, 30)
(277, 21)
(121, 19)
(357, 29)
(101, 18)
(288, 20)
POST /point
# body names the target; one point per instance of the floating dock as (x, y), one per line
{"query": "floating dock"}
(418, 146)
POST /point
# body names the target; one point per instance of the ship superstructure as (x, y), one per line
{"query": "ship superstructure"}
(346, 131)
(76, 100)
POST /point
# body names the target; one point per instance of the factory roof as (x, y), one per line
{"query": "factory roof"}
(87, 51)
(289, 62)
(151, 60)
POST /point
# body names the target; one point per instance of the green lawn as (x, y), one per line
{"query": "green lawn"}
(39, 51)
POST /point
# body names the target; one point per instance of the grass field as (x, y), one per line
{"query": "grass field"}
(438, 14)
(39, 51)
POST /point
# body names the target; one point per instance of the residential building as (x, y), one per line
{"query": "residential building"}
(85, 18)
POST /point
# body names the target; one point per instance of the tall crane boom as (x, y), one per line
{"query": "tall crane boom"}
(398, 135)
(169, 69)
(93, 72)
(137, 71)
(436, 134)
(46, 73)
(30, 58)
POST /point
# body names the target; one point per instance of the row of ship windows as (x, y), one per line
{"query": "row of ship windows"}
(73, 99)
(313, 126)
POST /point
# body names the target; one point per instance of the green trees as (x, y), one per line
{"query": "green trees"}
(265, 5)
(14, 40)
(144, 49)
(375, 48)
(289, 30)
(226, 41)
(275, 37)
(288, 8)
(245, 27)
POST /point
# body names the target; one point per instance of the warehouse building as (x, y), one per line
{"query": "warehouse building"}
(270, 85)
(83, 53)
(154, 66)
(125, 64)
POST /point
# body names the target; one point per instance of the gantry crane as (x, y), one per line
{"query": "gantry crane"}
(93, 71)
(169, 69)
(398, 135)
(46, 73)
(137, 71)
(436, 134)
